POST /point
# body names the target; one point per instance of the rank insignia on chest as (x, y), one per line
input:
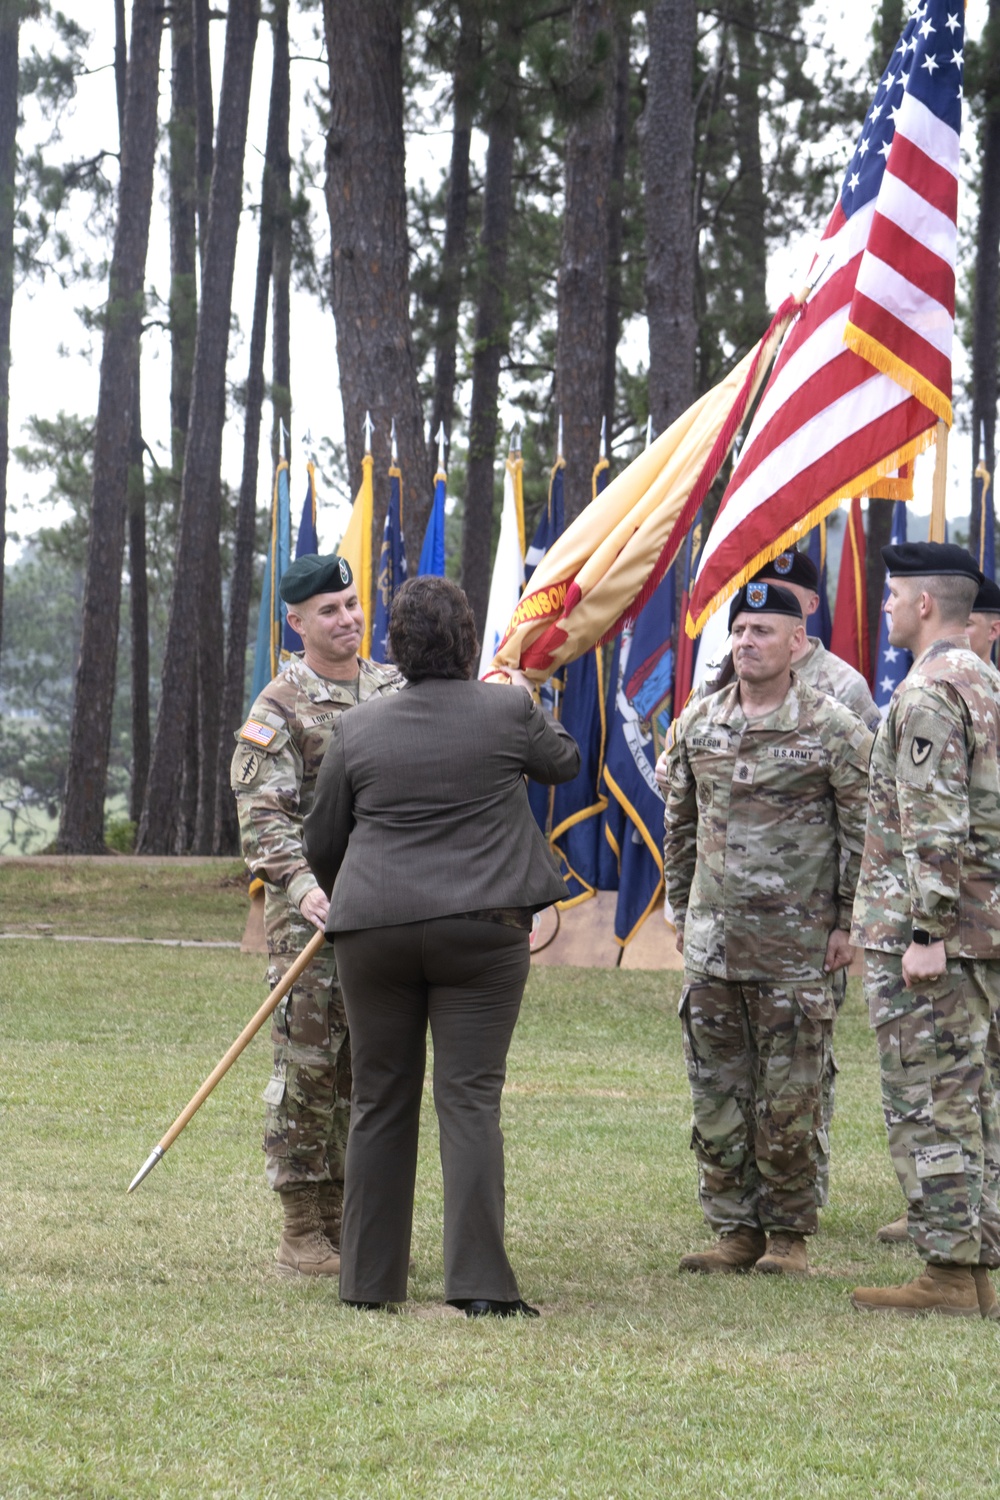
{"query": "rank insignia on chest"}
(257, 733)
(248, 768)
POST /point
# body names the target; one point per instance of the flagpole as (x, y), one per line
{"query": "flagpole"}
(937, 526)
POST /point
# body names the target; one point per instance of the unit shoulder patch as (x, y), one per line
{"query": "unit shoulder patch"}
(925, 735)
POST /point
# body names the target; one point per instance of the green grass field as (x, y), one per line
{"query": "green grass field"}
(150, 1350)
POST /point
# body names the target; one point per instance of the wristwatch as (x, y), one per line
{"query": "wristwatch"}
(922, 936)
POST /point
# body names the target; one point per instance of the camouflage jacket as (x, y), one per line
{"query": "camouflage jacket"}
(274, 769)
(764, 829)
(932, 847)
(831, 674)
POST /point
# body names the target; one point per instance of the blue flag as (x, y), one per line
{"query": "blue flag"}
(577, 805)
(639, 721)
(891, 662)
(267, 655)
(432, 552)
(820, 623)
(391, 566)
(307, 541)
(548, 530)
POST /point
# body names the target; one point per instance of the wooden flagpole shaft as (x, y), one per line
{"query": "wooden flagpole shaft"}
(939, 493)
(249, 1031)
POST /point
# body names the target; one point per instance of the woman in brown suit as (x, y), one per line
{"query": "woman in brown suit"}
(422, 836)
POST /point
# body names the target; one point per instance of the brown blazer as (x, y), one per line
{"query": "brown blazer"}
(421, 809)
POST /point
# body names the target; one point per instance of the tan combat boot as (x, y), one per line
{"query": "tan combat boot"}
(989, 1306)
(304, 1249)
(949, 1290)
(735, 1251)
(785, 1255)
(331, 1208)
(896, 1233)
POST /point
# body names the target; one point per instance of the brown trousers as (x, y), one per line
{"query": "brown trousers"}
(466, 978)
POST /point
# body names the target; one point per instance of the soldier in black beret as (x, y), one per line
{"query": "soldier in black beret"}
(984, 620)
(274, 769)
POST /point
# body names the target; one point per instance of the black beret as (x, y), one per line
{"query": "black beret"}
(791, 567)
(930, 559)
(311, 574)
(988, 598)
(764, 599)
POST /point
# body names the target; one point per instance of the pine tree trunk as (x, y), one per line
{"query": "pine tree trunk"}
(667, 142)
(583, 269)
(81, 829)
(492, 316)
(281, 187)
(616, 218)
(183, 234)
(986, 301)
(749, 203)
(226, 840)
(366, 201)
(449, 297)
(9, 22)
(204, 117)
(195, 606)
(138, 595)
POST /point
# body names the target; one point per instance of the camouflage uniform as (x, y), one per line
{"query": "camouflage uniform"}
(764, 826)
(931, 861)
(278, 755)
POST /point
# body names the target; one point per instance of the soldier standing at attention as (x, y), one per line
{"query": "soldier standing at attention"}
(278, 755)
(765, 788)
(928, 917)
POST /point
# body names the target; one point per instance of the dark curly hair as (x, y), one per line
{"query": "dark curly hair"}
(432, 631)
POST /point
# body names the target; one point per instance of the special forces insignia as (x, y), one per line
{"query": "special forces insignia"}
(920, 749)
(344, 571)
(756, 594)
(783, 563)
(249, 766)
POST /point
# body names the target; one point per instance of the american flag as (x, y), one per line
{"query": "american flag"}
(865, 373)
(891, 662)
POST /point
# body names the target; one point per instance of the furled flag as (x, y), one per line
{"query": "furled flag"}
(356, 543)
(577, 805)
(432, 552)
(687, 649)
(267, 655)
(549, 528)
(610, 560)
(819, 623)
(508, 564)
(391, 563)
(849, 636)
(891, 662)
(639, 721)
(306, 542)
(984, 551)
(865, 373)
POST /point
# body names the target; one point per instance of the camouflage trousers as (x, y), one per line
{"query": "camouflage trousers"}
(938, 1055)
(756, 1057)
(309, 1096)
(838, 981)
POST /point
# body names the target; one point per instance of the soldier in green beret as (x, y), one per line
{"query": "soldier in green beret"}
(927, 914)
(278, 755)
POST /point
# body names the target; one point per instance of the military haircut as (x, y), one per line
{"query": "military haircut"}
(954, 593)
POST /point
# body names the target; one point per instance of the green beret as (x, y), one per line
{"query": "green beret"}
(930, 559)
(764, 599)
(311, 574)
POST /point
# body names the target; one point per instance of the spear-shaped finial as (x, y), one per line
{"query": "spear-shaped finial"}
(368, 429)
(515, 438)
(604, 437)
(559, 439)
(440, 443)
(286, 439)
(392, 442)
(649, 430)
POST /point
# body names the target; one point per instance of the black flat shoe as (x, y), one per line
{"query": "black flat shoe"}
(483, 1308)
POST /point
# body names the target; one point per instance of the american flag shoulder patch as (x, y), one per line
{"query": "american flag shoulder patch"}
(257, 733)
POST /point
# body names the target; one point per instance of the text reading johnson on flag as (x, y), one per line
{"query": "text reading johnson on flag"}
(865, 372)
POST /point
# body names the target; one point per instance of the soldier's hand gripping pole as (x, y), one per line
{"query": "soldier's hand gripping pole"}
(249, 1031)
